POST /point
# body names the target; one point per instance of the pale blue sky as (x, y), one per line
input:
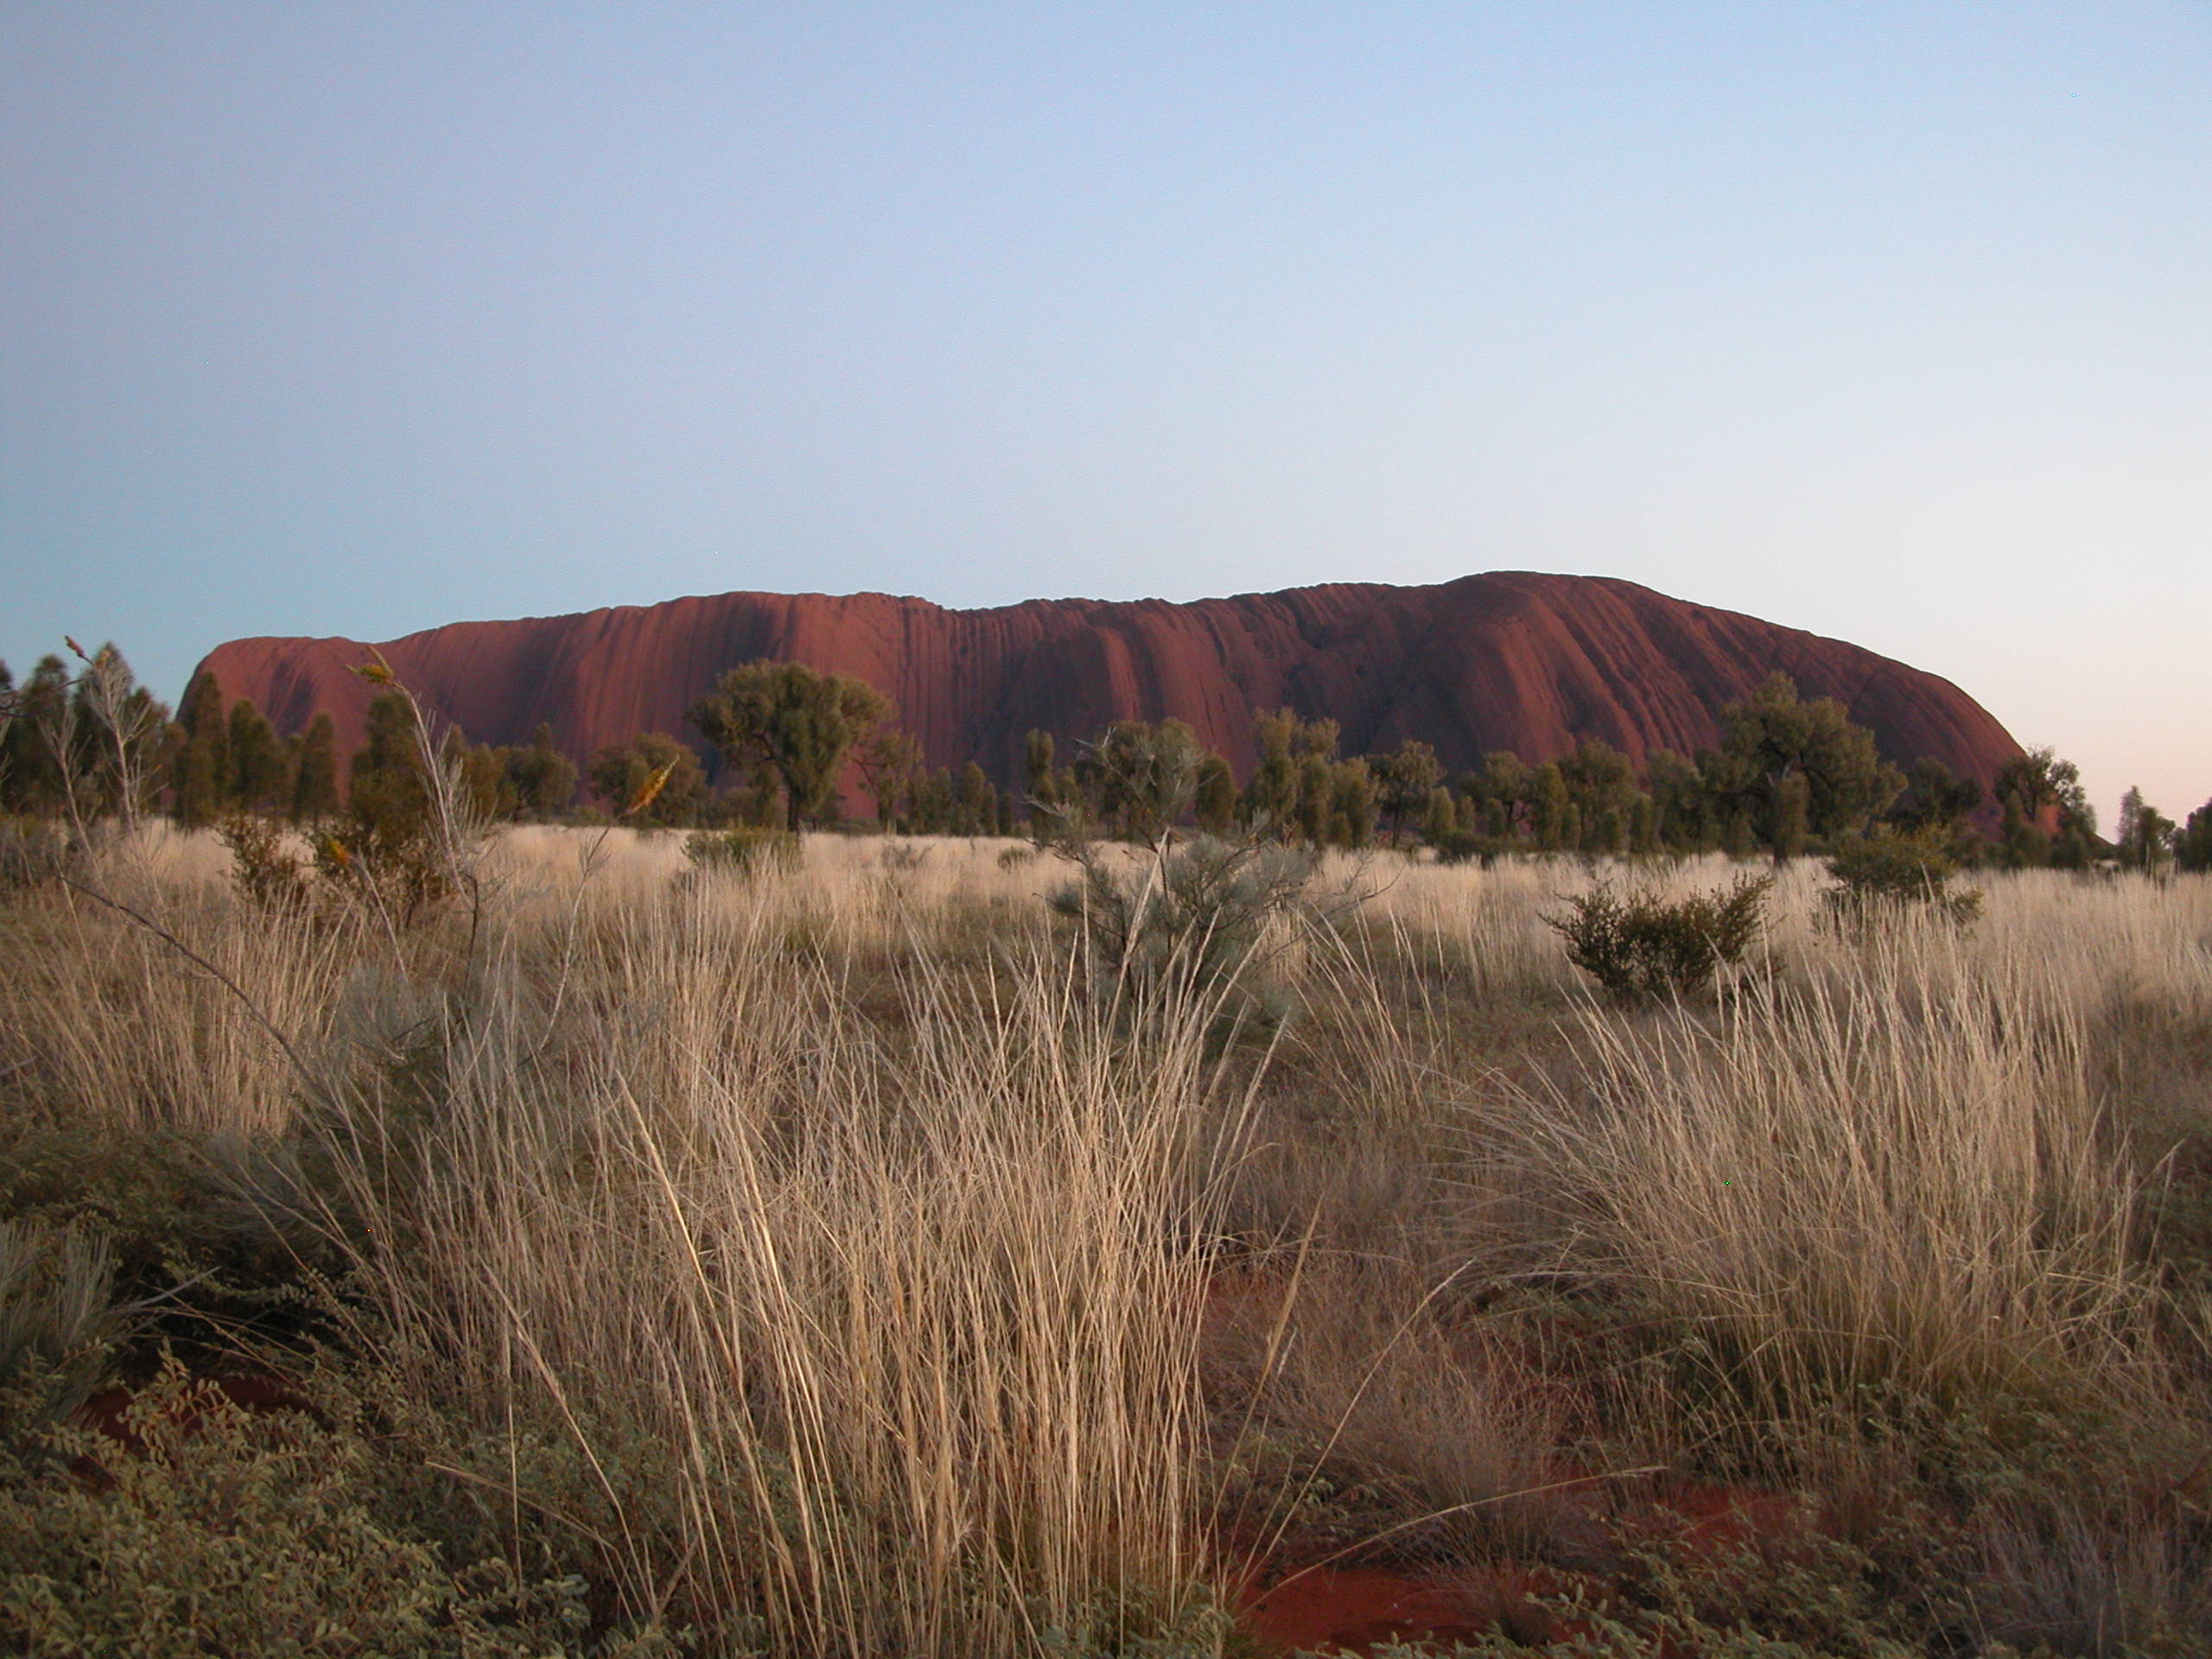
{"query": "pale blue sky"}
(1889, 321)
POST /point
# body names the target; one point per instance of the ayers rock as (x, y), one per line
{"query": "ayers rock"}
(1510, 660)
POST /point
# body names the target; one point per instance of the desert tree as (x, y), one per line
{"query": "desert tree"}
(385, 787)
(1037, 778)
(108, 741)
(1143, 777)
(1682, 810)
(314, 773)
(1773, 736)
(2034, 782)
(1352, 805)
(541, 779)
(260, 772)
(1292, 784)
(9, 701)
(1601, 785)
(1502, 794)
(1439, 818)
(1271, 793)
(2144, 836)
(416, 823)
(930, 804)
(888, 760)
(1936, 797)
(200, 764)
(2038, 790)
(2193, 847)
(1552, 817)
(788, 721)
(1214, 802)
(975, 802)
(1403, 780)
(31, 780)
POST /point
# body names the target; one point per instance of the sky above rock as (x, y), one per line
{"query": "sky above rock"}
(1891, 322)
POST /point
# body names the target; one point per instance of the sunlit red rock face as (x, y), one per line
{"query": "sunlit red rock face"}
(1510, 660)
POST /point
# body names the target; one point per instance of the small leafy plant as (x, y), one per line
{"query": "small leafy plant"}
(228, 1532)
(1646, 946)
(1460, 847)
(1187, 923)
(744, 852)
(266, 874)
(1896, 875)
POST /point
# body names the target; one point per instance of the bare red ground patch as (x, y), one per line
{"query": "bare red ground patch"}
(1355, 1610)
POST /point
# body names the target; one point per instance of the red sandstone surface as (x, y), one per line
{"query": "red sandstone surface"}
(1510, 660)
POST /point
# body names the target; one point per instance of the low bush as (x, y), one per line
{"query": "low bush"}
(1183, 928)
(232, 1533)
(744, 852)
(1646, 945)
(265, 873)
(1461, 846)
(1896, 874)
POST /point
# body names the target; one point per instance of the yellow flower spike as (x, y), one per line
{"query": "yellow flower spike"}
(649, 790)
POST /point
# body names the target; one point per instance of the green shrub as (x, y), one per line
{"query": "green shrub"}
(1646, 945)
(744, 852)
(267, 876)
(237, 1534)
(1893, 875)
(1460, 846)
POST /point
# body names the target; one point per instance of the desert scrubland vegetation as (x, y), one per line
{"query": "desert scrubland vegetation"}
(419, 1234)
(886, 1249)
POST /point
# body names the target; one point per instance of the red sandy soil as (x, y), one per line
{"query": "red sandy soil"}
(1295, 1595)
(1510, 660)
(1355, 1610)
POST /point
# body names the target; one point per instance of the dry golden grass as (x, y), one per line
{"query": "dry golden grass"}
(861, 1252)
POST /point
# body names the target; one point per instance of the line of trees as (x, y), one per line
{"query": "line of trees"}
(1789, 776)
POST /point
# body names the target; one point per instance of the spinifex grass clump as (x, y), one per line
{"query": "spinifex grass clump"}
(1648, 945)
(58, 1317)
(1865, 1183)
(886, 1344)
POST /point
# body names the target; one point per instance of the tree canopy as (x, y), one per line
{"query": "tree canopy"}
(788, 721)
(1772, 738)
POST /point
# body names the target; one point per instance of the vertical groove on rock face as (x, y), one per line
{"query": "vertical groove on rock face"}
(1510, 660)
